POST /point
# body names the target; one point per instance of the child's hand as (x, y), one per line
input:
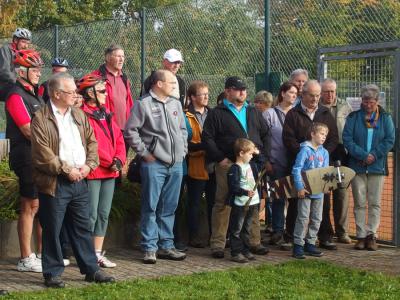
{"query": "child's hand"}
(301, 194)
(250, 193)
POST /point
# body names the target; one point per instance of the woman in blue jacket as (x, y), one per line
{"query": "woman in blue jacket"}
(368, 136)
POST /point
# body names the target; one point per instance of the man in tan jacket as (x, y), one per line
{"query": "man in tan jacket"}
(64, 151)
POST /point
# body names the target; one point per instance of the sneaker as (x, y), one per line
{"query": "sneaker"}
(286, 246)
(54, 282)
(67, 262)
(269, 230)
(240, 258)
(370, 243)
(249, 256)
(276, 237)
(328, 245)
(181, 247)
(259, 250)
(312, 250)
(149, 257)
(99, 277)
(104, 262)
(360, 245)
(298, 251)
(30, 264)
(217, 253)
(344, 239)
(171, 254)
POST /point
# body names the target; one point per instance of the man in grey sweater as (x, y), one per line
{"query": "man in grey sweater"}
(20, 40)
(156, 131)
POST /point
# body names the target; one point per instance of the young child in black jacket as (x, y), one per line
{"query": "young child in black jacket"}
(243, 198)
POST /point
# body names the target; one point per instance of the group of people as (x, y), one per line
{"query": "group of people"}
(69, 139)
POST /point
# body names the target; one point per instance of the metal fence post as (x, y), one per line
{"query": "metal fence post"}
(55, 40)
(267, 41)
(143, 45)
(396, 153)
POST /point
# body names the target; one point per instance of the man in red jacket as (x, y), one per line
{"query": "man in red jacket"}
(119, 98)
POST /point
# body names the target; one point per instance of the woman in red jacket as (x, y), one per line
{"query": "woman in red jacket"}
(111, 150)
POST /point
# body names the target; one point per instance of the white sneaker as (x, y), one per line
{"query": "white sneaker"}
(104, 262)
(66, 261)
(30, 264)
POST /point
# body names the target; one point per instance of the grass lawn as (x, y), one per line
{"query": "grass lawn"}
(309, 279)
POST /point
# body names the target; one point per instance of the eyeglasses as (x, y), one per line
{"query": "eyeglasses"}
(101, 91)
(204, 94)
(170, 82)
(71, 93)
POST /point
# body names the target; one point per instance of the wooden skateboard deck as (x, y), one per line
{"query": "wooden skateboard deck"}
(316, 181)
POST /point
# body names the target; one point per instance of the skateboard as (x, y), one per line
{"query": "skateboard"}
(316, 181)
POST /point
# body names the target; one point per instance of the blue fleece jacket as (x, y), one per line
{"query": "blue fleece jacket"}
(309, 158)
(355, 140)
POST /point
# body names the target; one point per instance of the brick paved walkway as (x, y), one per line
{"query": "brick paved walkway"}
(130, 266)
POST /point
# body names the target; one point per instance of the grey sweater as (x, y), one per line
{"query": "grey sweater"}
(158, 128)
(7, 69)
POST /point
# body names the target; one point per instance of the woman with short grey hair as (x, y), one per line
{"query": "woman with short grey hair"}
(368, 136)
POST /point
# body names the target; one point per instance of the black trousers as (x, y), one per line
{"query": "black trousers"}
(340, 215)
(70, 203)
(196, 188)
(291, 216)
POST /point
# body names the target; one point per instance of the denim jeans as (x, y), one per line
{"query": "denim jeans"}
(309, 216)
(160, 194)
(240, 224)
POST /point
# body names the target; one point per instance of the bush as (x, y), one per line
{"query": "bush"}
(8, 192)
(126, 201)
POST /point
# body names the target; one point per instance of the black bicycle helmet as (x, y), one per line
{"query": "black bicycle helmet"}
(60, 62)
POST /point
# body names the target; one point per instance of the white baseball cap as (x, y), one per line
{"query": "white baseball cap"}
(173, 55)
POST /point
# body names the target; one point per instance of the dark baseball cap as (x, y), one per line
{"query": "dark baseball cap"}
(235, 82)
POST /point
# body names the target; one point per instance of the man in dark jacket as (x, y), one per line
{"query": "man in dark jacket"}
(172, 61)
(231, 120)
(296, 130)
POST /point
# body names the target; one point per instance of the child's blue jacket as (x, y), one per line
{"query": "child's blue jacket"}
(308, 158)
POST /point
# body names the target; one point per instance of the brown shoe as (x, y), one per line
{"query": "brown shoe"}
(370, 243)
(360, 245)
(344, 239)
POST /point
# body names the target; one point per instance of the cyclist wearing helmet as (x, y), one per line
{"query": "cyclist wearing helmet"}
(58, 64)
(22, 102)
(20, 40)
(112, 156)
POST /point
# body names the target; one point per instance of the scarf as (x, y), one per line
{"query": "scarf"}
(372, 121)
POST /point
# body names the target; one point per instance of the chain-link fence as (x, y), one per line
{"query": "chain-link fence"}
(224, 37)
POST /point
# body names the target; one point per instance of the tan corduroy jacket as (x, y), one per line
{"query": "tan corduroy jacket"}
(45, 147)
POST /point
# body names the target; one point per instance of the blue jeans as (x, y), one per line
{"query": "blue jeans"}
(160, 194)
(239, 226)
(309, 216)
(278, 207)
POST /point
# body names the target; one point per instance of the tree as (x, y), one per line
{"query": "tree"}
(8, 12)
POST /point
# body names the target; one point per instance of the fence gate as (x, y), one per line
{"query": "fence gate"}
(353, 67)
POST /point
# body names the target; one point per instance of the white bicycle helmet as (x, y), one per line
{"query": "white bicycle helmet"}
(22, 33)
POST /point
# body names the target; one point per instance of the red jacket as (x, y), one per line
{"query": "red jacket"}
(110, 146)
(109, 100)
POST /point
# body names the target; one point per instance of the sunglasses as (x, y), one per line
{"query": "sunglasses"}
(101, 91)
